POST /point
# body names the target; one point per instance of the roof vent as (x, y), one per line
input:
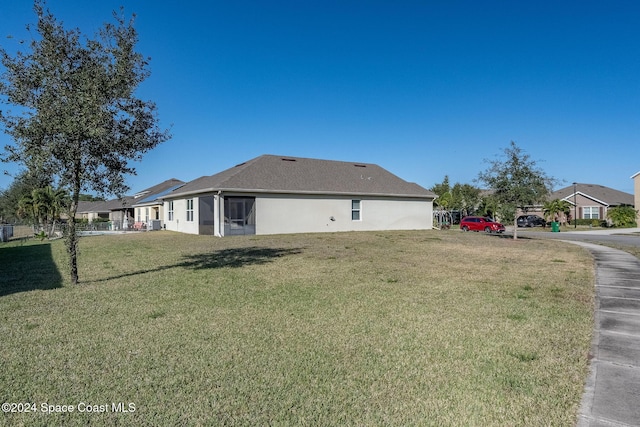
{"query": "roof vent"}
(240, 164)
(287, 160)
(360, 166)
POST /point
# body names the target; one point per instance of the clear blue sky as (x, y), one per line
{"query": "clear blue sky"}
(422, 88)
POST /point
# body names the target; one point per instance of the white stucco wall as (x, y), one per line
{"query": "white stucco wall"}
(179, 222)
(281, 214)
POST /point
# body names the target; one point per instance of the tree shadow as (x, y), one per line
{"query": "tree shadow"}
(229, 258)
(236, 257)
(27, 268)
(509, 236)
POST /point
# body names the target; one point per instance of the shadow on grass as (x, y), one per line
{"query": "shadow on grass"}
(27, 268)
(509, 236)
(229, 258)
(237, 257)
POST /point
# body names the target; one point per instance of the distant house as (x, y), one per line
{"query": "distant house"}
(115, 210)
(149, 206)
(636, 192)
(592, 201)
(143, 210)
(278, 194)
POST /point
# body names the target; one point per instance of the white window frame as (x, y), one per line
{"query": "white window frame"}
(591, 212)
(190, 210)
(356, 210)
(170, 211)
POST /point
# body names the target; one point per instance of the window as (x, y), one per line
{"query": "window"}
(171, 210)
(355, 210)
(189, 209)
(146, 214)
(591, 212)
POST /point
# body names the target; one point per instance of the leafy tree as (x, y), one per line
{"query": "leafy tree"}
(622, 216)
(517, 181)
(442, 216)
(90, 198)
(465, 198)
(441, 189)
(78, 118)
(22, 185)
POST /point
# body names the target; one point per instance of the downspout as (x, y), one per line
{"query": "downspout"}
(217, 227)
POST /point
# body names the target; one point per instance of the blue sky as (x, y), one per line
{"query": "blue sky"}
(422, 88)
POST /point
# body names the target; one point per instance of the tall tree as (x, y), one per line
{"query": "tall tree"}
(78, 118)
(516, 180)
(465, 198)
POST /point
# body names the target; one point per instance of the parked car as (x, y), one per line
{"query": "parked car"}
(478, 223)
(531, 221)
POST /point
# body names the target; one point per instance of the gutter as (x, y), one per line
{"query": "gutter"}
(313, 193)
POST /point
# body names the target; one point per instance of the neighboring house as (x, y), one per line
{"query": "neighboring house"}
(592, 201)
(636, 192)
(278, 195)
(143, 210)
(115, 210)
(92, 210)
(149, 206)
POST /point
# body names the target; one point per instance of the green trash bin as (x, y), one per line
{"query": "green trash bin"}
(555, 227)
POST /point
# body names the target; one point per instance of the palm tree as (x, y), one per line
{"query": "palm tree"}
(30, 207)
(557, 210)
(57, 202)
(43, 206)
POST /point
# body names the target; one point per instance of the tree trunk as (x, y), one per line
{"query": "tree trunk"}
(72, 244)
(515, 228)
(72, 235)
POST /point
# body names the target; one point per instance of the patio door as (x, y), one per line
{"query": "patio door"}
(239, 215)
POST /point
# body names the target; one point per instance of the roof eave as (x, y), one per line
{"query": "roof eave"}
(315, 193)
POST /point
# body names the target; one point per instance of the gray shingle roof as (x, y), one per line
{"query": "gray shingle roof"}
(599, 192)
(150, 195)
(282, 174)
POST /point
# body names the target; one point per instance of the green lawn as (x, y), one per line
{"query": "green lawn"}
(382, 328)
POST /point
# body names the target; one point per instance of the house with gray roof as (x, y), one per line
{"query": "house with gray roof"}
(279, 194)
(148, 204)
(592, 201)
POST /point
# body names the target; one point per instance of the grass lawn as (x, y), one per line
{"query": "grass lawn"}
(380, 328)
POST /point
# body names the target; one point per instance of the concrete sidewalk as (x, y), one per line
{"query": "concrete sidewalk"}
(605, 231)
(612, 392)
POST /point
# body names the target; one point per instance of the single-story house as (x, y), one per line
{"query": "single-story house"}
(636, 192)
(143, 210)
(588, 201)
(149, 206)
(591, 201)
(279, 194)
(115, 210)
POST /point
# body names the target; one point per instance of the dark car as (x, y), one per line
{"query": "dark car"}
(531, 221)
(479, 223)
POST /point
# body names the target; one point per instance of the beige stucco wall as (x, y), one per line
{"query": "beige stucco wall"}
(282, 214)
